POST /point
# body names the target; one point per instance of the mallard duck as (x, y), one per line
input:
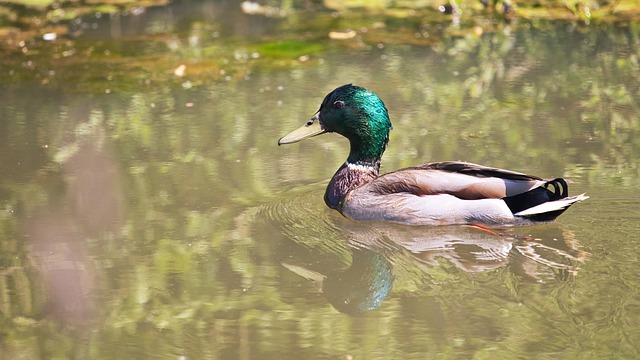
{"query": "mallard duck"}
(439, 193)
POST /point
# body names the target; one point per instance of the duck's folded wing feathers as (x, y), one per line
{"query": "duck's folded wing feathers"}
(464, 180)
(476, 170)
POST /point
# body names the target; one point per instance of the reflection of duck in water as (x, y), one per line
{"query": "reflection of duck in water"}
(427, 194)
(376, 255)
(476, 250)
(360, 288)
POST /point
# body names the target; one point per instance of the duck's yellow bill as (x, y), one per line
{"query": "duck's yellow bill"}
(311, 128)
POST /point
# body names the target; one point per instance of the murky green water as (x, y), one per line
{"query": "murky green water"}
(165, 222)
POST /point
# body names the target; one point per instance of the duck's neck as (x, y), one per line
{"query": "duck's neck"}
(361, 167)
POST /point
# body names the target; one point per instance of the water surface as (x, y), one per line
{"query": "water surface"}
(163, 221)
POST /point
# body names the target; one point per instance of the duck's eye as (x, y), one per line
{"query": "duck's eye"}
(338, 104)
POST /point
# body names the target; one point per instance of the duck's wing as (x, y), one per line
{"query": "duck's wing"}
(476, 170)
(463, 180)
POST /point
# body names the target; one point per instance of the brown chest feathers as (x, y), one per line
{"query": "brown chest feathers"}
(347, 178)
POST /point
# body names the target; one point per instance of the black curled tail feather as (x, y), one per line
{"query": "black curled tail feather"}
(560, 188)
(550, 191)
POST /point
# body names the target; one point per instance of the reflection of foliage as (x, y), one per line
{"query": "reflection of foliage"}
(188, 272)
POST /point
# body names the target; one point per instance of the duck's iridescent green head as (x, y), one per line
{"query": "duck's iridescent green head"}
(355, 113)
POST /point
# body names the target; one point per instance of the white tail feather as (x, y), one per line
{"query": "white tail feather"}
(550, 206)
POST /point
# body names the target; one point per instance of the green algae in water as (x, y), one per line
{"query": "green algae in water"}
(289, 48)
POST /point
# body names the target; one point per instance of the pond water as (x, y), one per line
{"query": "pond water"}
(164, 221)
